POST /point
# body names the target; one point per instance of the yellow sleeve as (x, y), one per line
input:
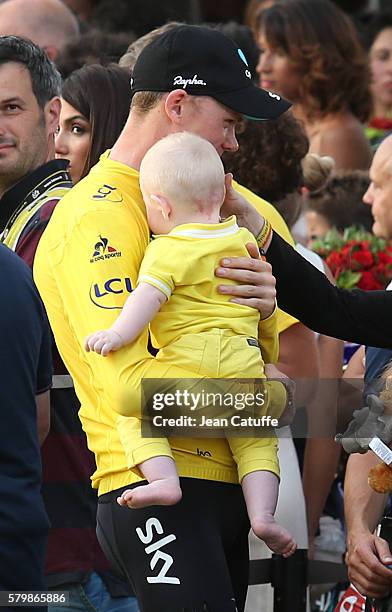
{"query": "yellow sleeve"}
(269, 338)
(278, 225)
(157, 267)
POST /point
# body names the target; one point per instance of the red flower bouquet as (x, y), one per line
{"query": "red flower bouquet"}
(356, 258)
(381, 123)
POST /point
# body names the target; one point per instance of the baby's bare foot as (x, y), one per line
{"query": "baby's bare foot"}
(165, 492)
(277, 538)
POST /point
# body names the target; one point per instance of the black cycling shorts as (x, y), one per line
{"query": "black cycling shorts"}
(191, 557)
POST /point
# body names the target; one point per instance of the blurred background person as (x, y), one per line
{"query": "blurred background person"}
(337, 205)
(282, 140)
(360, 10)
(94, 107)
(368, 554)
(252, 10)
(50, 24)
(378, 39)
(317, 170)
(32, 184)
(26, 372)
(310, 53)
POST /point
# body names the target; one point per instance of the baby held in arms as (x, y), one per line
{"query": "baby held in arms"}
(183, 185)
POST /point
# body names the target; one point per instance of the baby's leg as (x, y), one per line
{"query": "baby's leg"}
(163, 488)
(261, 495)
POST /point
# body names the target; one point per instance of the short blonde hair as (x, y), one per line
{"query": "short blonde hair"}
(184, 168)
(317, 170)
(145, 101)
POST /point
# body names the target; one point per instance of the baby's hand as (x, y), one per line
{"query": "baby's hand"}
(103, 342)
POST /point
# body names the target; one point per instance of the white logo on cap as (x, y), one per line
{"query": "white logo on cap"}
(274, 95)
(242, 56)
(179, 80)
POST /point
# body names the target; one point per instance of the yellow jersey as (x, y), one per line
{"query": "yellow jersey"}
(86, 264)
(181, 265)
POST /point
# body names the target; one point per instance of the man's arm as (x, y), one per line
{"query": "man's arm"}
(367, 554)
(363, 509)
(294, 341)
(322, 453)
(304, 292)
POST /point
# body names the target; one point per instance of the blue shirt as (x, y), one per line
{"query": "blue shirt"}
(25, 370)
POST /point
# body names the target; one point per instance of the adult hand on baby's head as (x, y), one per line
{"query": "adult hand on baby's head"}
(256, 283)
(234, 202)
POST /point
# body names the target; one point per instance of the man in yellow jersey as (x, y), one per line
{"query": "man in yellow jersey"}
(294, 339)
(87, 263)
(193, 555)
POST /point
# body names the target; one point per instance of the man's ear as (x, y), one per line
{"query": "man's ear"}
(52, 115)
(175, 105)
(162, 204)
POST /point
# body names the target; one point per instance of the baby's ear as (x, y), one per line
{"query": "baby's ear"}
(162, 204)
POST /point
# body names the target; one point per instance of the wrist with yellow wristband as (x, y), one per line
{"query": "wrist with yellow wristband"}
(263, 237)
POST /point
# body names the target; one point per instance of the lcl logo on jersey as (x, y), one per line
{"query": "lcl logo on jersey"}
(102, 294)
(159, 555)
(109, 194)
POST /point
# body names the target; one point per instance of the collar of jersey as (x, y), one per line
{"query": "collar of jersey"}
(108, 161)
(206, 230)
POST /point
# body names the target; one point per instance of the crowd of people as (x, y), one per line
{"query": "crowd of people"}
(165, 179)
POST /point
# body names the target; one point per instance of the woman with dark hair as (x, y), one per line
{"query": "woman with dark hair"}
(311, 54)
(252, 10)
(378, 40)
(269, 158)
(95, 107)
